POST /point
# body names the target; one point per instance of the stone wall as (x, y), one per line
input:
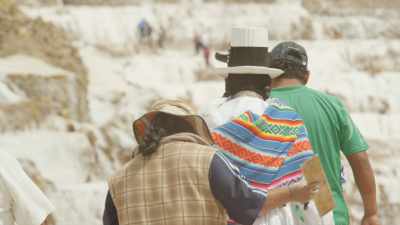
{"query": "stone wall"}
(46, 95)
(331, 6)
(384, 156)
(22, 35)
(23, 115)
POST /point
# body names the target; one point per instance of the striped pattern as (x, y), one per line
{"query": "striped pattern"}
(269, 149)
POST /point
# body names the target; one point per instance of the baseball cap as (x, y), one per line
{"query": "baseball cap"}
(289, 55)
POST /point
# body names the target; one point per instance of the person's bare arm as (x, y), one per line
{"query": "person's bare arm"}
(244, 203)
(294, 193)
(276, 198)
(365, 180)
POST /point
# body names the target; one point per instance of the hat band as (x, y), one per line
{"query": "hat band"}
(248, 56)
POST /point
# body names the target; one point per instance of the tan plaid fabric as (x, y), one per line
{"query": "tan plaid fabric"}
(170, 187)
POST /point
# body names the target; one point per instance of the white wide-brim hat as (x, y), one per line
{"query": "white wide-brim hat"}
(248, 54)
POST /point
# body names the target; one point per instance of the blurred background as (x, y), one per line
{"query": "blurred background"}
(74, 74)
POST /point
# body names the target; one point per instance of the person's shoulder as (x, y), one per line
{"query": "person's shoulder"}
(312, 91)
(204, 149)
(213, 112)
(211, 106)
(135, 163)
(193, 143)
(325, 95)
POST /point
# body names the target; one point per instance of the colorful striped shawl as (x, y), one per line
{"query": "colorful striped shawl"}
(269, 149)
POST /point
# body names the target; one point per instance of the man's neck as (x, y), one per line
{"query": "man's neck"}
(279, 83)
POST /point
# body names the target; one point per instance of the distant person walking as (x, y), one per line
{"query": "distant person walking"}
(162, 36)
(330, 128)
(145, 30)
(206, 55)
(200, 45)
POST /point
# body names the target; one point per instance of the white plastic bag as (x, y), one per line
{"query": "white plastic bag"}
(279, 216)
(295, 214)
(309, 216)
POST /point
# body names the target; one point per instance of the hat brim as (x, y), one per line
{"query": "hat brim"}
(197, 122)
(271, 72)
(222, 56)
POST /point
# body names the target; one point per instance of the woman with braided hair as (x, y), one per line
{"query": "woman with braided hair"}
(178, 178)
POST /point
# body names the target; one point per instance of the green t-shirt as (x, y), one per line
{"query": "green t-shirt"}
(331, 130)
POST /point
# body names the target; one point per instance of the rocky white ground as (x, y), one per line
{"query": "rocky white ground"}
(74, 157)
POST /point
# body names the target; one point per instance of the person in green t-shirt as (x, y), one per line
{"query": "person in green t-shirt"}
(331, 130)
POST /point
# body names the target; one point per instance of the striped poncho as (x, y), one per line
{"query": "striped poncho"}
(269, 149)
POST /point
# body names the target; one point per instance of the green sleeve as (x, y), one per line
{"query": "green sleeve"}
(351, 139)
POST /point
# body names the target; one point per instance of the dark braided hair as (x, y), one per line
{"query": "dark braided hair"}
(235, 83)
(152, 137)
(162, 126)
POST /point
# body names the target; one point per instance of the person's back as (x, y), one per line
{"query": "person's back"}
(329, 132)
(177, 177)
(179, 196)
(266, 140)
(268, 147)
